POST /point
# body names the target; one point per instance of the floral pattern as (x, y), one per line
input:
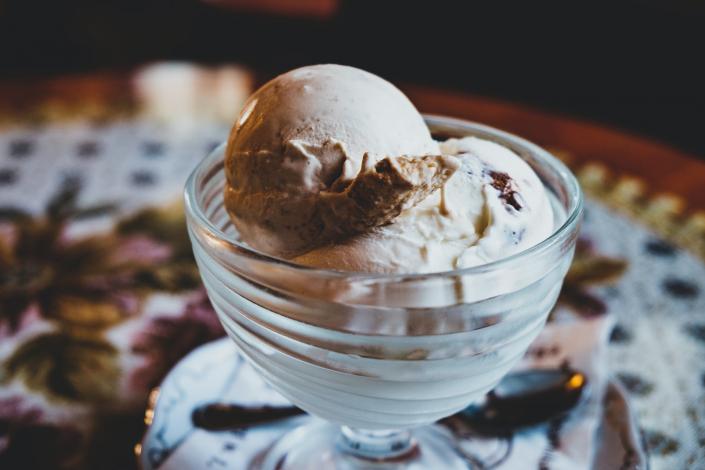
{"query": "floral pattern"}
(61, 301)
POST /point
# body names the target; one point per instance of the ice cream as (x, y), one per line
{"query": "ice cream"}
(333, 167)
(304, 133)
(494, 206)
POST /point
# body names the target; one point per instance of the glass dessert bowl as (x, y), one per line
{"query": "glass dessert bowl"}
(380, 357)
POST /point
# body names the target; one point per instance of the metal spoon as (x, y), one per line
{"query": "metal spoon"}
(521, 399)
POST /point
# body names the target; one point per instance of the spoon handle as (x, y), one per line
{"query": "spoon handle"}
(226, 416)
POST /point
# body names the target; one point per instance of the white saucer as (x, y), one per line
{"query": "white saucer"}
(215, 371)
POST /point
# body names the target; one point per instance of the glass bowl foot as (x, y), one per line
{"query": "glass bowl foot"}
(324, 446)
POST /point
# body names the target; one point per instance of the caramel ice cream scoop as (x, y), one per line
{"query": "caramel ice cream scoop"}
(305, 133)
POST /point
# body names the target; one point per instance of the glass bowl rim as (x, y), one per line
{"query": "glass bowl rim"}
(575, 196)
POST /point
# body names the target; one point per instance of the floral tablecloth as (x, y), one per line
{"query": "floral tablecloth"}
(99, 295)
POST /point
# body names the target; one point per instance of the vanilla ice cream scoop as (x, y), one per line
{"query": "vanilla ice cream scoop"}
(304, 135)
(493, 206)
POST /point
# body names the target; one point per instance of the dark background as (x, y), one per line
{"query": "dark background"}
(632, 64)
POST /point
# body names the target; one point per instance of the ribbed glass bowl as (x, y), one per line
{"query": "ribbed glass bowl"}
(380, 354)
